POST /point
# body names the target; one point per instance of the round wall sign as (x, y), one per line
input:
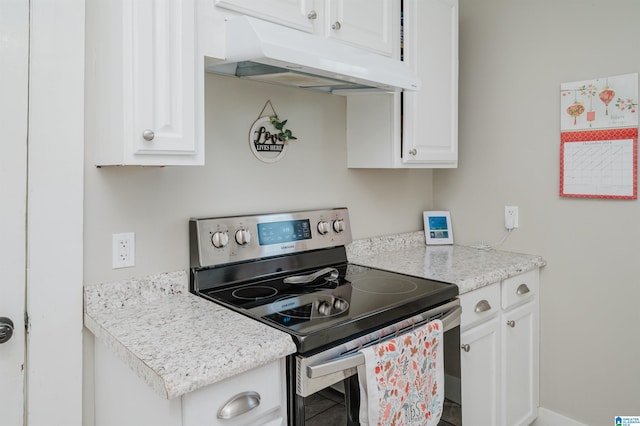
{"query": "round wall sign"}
(264, 142)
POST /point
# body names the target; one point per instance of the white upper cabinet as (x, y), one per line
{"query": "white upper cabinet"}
(145, 88)
(413, 129)
(298, 14)
(431, 115)
(371, 24)
(368, 24)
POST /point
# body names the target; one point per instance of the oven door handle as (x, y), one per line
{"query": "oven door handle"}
(449, 321)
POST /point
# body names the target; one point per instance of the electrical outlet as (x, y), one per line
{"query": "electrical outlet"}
(123, 250)
(510, 217)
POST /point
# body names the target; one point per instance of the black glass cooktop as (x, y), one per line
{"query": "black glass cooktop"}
(329, 308)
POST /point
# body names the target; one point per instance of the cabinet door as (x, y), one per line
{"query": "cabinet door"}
(162, 72)
(298, 14)
(371, 24)
(430, 133)
(479, 363)
(520, 365)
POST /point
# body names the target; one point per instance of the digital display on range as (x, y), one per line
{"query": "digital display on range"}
(284, 232)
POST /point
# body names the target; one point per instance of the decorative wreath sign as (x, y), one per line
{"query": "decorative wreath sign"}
(268, 137)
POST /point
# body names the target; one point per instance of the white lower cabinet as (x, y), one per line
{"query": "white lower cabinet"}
(520, 364)
(481, 374)
(499, 352)
(254, 398)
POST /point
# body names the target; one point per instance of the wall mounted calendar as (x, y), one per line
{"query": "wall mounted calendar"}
(599, 138)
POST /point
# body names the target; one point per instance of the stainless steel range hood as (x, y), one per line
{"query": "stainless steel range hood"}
(263, 51)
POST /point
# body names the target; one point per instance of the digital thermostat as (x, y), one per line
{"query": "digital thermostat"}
(437, 227)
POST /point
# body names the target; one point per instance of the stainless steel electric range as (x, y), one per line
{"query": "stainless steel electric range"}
(290, 271)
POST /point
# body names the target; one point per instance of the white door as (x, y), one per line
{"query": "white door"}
(14, 31)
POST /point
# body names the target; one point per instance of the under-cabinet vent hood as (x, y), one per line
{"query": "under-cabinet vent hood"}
(267, 52)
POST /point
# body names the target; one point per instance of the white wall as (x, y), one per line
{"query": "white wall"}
(513, 57)
(156, 202)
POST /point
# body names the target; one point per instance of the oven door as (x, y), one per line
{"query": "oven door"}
(337, 368)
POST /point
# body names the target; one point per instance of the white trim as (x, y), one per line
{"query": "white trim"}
(55, 213)
(550, 418)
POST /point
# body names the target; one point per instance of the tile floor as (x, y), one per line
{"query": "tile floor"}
(326, 408)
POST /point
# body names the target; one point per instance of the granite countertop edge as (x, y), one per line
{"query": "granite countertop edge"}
(173, 340)
(178, 342)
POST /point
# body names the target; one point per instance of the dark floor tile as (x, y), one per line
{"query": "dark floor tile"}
(451, 414)
(332, 394)
(315, 404)
(334, 416)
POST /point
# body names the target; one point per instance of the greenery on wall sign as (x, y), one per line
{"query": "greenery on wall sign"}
(283, 134)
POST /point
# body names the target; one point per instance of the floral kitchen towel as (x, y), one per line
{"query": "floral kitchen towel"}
(402, 379)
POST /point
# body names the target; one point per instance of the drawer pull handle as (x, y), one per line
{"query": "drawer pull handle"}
(511, 323)
(522, 289)
(239, 404)
(482, 306)
(466, 347)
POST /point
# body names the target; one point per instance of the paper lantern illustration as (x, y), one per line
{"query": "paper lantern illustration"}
(575, 110)
(606, 96)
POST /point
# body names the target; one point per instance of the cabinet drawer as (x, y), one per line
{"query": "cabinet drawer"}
(201, 407)
(479, 305)
(520, 288)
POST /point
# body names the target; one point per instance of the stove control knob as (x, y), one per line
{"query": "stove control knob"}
(243, 236)
(220, 239)
(324, 308)
(323, 227)
(338, 225)
(340, 305)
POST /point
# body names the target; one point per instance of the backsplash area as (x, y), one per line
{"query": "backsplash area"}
(156, 202)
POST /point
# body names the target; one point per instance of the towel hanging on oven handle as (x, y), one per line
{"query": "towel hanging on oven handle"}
(449, 321)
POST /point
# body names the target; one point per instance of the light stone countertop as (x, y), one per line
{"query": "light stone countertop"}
(178, 342)
(175, 341)
(467, 267)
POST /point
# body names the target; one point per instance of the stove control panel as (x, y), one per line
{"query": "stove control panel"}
(223, 240)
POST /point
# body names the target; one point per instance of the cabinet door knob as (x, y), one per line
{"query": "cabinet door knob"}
(511, 323)
(312, 15)
(482, 306)
(413, 151)
(336, 26)
(148, 135)
(522, 289)
(466, 347)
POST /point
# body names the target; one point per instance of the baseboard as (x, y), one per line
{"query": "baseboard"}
(551, 418)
